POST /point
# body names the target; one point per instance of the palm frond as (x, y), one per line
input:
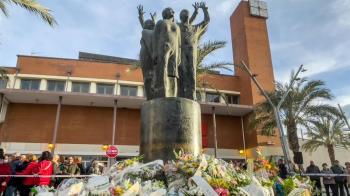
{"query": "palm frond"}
(312, 90)
(321, 110)
(136, 65)
(207, 48)
(3, 73)
(215, 66)
(3, 8)
(326, 130)
(263, 119)
(311, 145)
(34, 7)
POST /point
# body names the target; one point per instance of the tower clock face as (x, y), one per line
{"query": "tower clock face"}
(258, 8)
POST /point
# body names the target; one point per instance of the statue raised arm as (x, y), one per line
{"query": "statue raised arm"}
(195, 12)
(146, 52)
(154, 17)
(190, 36)
(202, 27)
(141, 13)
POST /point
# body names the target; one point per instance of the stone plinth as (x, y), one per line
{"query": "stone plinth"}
(169, 124)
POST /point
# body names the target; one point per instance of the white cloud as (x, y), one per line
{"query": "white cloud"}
(344, 99)
(282, 46)
(341, 8)
(226, 7)
(318, 65)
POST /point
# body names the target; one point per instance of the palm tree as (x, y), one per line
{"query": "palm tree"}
(204, 51)
(202, 68)
(326, 131)
(32, 6)
(299, 105)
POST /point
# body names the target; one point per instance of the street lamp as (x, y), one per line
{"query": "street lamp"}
(276, 109)
(51, 146)
(104, 147)
(343, 116)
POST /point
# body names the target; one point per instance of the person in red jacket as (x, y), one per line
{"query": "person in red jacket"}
(32, 168)
(5, 169)
(45, 168)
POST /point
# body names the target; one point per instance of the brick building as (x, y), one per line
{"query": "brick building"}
(76, 104)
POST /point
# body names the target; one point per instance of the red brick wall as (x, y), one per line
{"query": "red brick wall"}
(93, 125)
(78, 124)
(99, 70)
(228, 129)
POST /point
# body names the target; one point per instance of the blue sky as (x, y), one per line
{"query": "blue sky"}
(313, 32)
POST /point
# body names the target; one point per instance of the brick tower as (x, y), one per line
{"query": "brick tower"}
(250, 44)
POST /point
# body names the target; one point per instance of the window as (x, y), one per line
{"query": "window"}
(128, 90)
(232, 99)
(198, 96)
(80, 87)
(56, 85)
(30, 84)
(106, 89)
(3, 83)
(212, 97)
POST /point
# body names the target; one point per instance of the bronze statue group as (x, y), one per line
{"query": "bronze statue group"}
(168, 54)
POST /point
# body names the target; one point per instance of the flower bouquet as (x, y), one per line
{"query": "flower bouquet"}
(186, 175)
(98, 186)
(221, 177)
(72, 187)
(42, 191)
(138, 178)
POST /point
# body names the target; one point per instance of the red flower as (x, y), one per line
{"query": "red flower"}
(222, 192)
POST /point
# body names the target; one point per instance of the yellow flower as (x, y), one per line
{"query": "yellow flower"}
(118, 190)
(268, 166)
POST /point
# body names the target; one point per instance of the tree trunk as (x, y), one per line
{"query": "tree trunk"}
(293, 140)
(331, 153)
(292, 135)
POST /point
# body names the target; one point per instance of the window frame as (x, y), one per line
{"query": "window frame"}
(30, 85)
(199, 98)
(56, 87)
(212, 93)
(105, 85)
(3, 83)
(80, 86)
(130, 87)
(232, 95)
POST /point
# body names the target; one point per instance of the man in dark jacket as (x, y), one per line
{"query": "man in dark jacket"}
(313, 169)
(282, 169)
(70, 168)
(339, 180)
(16, 165)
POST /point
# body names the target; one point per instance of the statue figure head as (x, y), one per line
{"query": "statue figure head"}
(149, 24)
(168, 13)
(184, 15)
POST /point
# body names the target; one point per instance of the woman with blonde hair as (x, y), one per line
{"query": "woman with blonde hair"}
(31, 169)
(56, 170)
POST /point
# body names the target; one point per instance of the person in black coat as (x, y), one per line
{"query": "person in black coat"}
(339, 180)
(18, 164)
(282, 169)
(313, 169)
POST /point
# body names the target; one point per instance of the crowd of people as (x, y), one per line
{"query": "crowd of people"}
(44, 167)
(47, 169)
(338, 185)
(333, 185)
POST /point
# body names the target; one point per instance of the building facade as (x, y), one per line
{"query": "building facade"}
(75, 105)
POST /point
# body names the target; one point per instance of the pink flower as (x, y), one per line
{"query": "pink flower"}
(222, 192)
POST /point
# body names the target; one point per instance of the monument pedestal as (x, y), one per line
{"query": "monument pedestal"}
(169, 124)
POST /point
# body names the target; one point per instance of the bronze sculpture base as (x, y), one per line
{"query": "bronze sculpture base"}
(169, 124)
